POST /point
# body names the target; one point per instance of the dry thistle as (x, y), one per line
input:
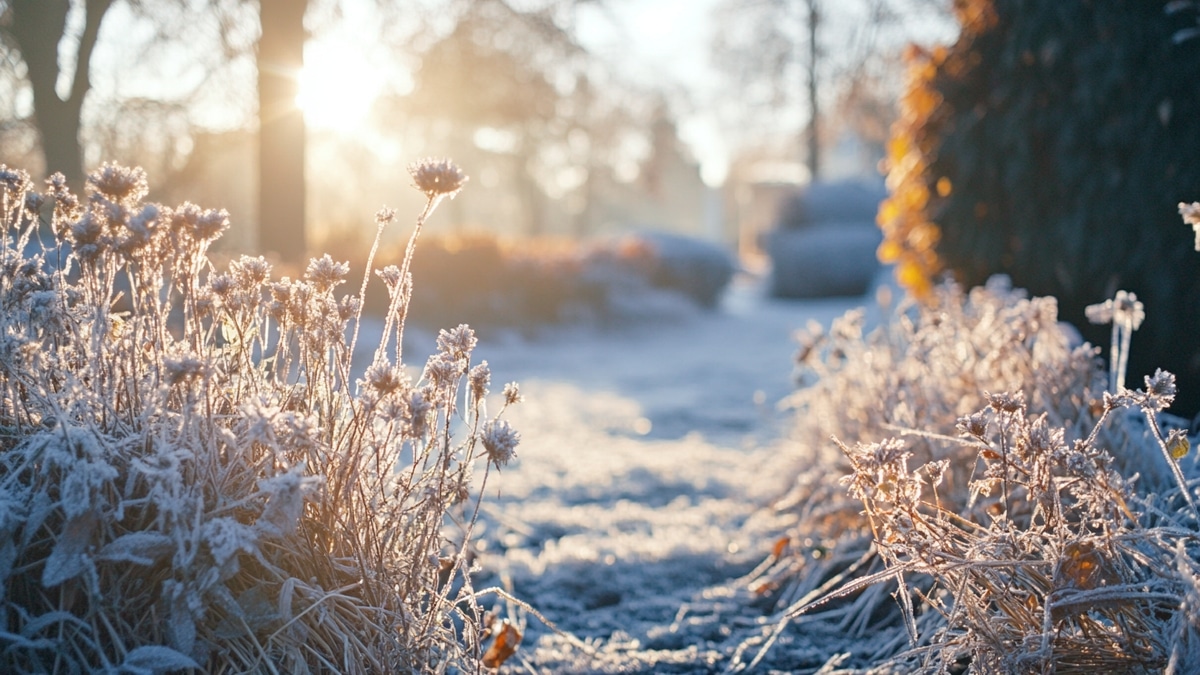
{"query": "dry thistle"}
(437, 177)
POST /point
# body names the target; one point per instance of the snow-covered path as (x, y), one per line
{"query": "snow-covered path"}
(647, 455)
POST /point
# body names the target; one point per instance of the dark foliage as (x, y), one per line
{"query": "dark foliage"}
(1052, 142)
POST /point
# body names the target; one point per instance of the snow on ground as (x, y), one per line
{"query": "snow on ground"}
(648, 453)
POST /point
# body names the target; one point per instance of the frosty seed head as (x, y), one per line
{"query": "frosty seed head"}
(182, 368)
(479, 378)
(1128, 310)
(500, 440)
(1005, 402)
(120, 184)
(325, 273)
(384, 216)
(199, 224)
(512, 393)
(437, 177)
(250, 273)
(441, 370)
(386, 378)
(1160, 390)
(14, 181)
(457, 342)
(974, 424)
(390, 276)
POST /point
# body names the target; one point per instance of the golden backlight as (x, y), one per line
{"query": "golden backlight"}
(337, 88)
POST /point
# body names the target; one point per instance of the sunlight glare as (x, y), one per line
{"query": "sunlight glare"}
(337, 88)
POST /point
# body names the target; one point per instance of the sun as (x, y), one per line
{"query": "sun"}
(336, 88)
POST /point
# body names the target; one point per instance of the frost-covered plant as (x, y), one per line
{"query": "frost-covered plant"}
(191, 475)
(1054, 565)
(990, 508)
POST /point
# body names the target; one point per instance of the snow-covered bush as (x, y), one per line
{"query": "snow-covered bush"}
(492, 283)
(1000, 486)
(198, 481)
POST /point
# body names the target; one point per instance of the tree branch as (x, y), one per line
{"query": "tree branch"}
(82, 82)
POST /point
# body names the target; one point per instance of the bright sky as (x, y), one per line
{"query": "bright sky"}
(656, 42)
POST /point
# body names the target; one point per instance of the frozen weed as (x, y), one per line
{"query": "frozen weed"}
(189, 475)
(1011, 527)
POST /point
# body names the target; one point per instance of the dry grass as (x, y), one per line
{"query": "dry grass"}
(1023, 540)
(191, 478)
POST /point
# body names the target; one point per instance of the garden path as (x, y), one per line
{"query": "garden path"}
(648, 454)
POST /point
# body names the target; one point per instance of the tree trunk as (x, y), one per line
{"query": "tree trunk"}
(812, 134)
(37, 27)
(281, 133)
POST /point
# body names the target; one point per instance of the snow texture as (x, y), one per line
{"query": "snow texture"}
(641, 488)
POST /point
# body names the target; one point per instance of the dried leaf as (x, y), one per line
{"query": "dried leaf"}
(157, 659)
(504, 646)
(780, 546)
(69, 557)
(1083, 567)
(139, 548)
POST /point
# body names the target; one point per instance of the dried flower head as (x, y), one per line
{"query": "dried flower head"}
(1191, 216)
(1160, 390)
(1124, 309)
(386, 378)
(250, 273)
(512, 393)
(500, 440)
(974, 424)
(120, 184)
(348, 307)
(457, 342)
(437, 177)
(1177, 443)
(479, 378)
(325, 273)
(182, 368)
(441, 370)
(390, 276)
(1005, 402)
(200, 224)
(14, 181)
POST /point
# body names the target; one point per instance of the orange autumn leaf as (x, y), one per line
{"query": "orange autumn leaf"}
(504, 646)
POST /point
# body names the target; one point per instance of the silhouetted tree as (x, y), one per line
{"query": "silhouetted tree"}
(37, 28)
(281, 130)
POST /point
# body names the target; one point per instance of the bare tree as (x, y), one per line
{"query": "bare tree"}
(522, 72)
(37, 27)
(281, 130)
(55, 49)
(781, 54)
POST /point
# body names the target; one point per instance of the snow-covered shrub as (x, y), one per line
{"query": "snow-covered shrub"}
(1003, 506)
(696, 268)
(492, 283)
(200, 481)
(823, 260)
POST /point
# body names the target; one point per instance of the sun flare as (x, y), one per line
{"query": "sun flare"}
(337, 88)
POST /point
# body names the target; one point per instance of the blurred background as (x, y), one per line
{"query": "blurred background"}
(574, 118)
(626, 154)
